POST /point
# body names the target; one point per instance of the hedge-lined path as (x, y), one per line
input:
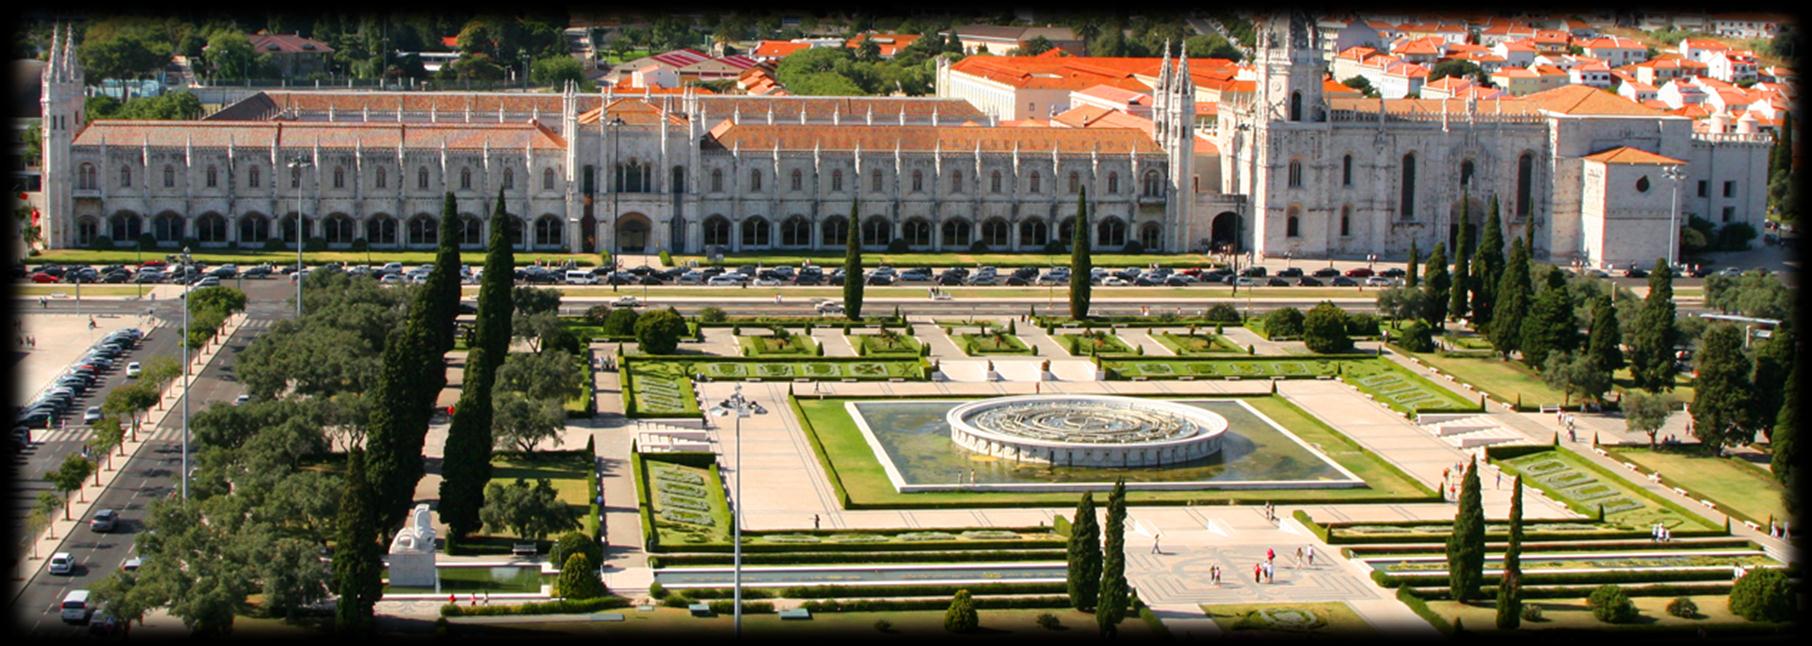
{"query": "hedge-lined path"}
(1243, 337)
(942, 346)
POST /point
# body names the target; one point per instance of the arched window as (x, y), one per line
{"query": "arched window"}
(85, 178)
(1295, 173)
(1292, 224)
(547, 179)
(380, 230)
(1295, 106)
(717, 230)
(874, 181)
(1642, 184)
(1525, 176)
(996, 233)
(124, 226)
(339, 229)
(876, 232)
(1033, 183)
(125, 177)
(1111, 233)
(1033, 233)
(918, 181)
(383, 177)
(421, 178)
(717, 180)
(213, 177)
(1466, 169)
(798, 180)
(796, 231)
(1346, 170)
(254, 229)
(917, 232)
(251, 176)
(471, 231)
(169, 176)
(956, 181)
(509, 178)
(1346, 220)
(1151, 236)
(1154, 184)
(756, 232)
(1408, 195)
(956, 233)
(518, 232)
(1075, 183)
(837, 180)
(86, 231)
(994, 182)
(755, 179)
(548, 232)
(423, 230)
(834, 231)
(1113, 183)
(465, 179)
(167, 227)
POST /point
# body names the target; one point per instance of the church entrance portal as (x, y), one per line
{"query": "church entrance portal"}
(1225, 232)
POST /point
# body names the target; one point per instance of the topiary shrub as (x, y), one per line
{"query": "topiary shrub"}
(1362, 324)
(666, 258)
(961, 616)
(1416, 337)
(657, 591)
(579, 579)
(1762, 595)
(572, 543)
(1284, 322)
(1532, 612)
(1611, 605)
(1683, 607)
(712, 314)
(1223, 312)
(1049, 621)
(1324, 329)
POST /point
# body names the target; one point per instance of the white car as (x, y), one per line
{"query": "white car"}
(92, 415)
(581, 277)
(1114, 281)
(767, 282)
(62, 563)
(1380, 281)
(726, 280)
(75, 608)
(626, 301)
(241, 399)
(829, 308)
(1247, 281)
(133, 370)
(391, 279)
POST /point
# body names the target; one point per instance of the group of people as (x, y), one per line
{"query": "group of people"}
(1661, 533)
(1778, 529)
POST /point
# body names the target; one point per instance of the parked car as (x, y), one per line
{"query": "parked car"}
(92, 415)
(1326, 272)
(1306, 281)
(878, 278)
(1278, 281)
(829, 308)
(1290, 272)
(1637, 272)
(133, 564)
(260, 271)
(1180, 280)
(1380, 281)
(1393, 272)
(1359, 272)
(241, 399)
(916, 274)
(725, 280)
(1344, 281)
(580, 277)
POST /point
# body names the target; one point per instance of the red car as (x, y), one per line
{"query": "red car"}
(1359, 272)
(42, 277)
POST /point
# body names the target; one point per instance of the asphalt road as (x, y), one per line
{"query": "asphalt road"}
(153, 472)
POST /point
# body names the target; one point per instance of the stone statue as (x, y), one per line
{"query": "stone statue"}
(412, 552)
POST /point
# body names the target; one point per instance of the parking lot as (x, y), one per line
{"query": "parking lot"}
(60, 339)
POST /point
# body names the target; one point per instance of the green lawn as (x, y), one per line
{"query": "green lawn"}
(791, 345)
(1577, 482)
(247, 258)
(1057, 296)
(662, 389)
(1252, 368)
(1510, 380)
(871, 345)
(1401, 390)
(663, 622)
(853, 465)
(829, 259)
(989, 344)
(1083, 345)
(1287, 620)
(1737, 487)
(566, 471)
(1563, 614)
(687, 503)
(1197, 344)
(815, 369)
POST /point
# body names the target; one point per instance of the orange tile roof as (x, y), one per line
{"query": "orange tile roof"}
(1433, 107)
(890, 44)
(1628, 155)
(308, 134)
(847, 108)
(1089, 116)
(779, 48)
(952, 139)
(1613, 42)
(1081, 72)
(1582, 100)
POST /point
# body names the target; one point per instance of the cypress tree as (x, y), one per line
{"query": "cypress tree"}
(358, 554)
(1085, 555)
(1773, 359)
(1781, 443)
(1512, 299)
(1112, 607)
(1509, 591)
(1607, 340)
(467, 466)
(1415, 258)
(1466, 545)
(1490, 269)
(1436, 288)
(398, 425)
(1722, 393)
(441, 292)
(1462, 266)
(852, 266)
(1651, 356)
(1079, 260)
(1549, 327)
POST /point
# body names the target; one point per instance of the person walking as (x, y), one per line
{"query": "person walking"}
(1154, 543)
(1258, 572)
(1311, 552)
(1270, 555)
(814, 521)
(1214, 574)
(1299, 558)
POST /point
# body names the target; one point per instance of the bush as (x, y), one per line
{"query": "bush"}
(1283, 323)
(961, 616)
(1735, 236)
(1531, 612)
(561, 607)
(666, 258)
(621, 322)
(1362, 324)
(1324, 329)
(596, 314)
(579, 579)
(1763, 595)
(575, 543)
(657, 591)
(712, 314)
(898, 245)
(1223, 312)
(1610, 605)
(883, 625)
(1683, 607)
(1416, 337)
(1049, 621)
(659, 331)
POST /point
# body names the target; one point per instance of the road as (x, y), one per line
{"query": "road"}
(152, 472)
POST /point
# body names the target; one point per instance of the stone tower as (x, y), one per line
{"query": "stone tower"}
(1173, 124)
(63, 112)
(1288, 118)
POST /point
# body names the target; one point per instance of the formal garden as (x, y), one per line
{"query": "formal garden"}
(994, 342)
(1298, 620)
(1741, 489)
(1195, 343)
(1092, 343)
(781, 342)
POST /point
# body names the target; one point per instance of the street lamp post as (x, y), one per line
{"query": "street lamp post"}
(618, 178)
(741, 407)
(296, 165)
(1676, 174)
(187, 261)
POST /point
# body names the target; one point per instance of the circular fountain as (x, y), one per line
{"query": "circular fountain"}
(1087, 430)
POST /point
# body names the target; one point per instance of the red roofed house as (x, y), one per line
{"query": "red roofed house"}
(770, 51)
(890, 44)
(293, 55)
(1615, 51)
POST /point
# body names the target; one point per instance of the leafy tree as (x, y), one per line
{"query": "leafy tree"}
(1489, 270)
(1363, 85)
(852, 259)
(1416, 336)
(1509, 590)
(961, 617)
(1037, 45)
(1785, 453)
(575, 543)
(1570, 373)
(529, 512)
(120, 594)
(1645, 413)
(534, 300)
(1773, 360)
(579, 579)
(124, 47)
(1466, 545)
(1437, 286)
(358, 557)
(1080, 263)
(541, 376)
(1549, 326)
(1324, 329)
(291, 572)
(69, 476)
(1458, 69)
(1651, 356)
(1084, 570)
(659, 331)
(555, 71)
(1512, 294)
(543, 330)
(1754, 293)
(1112, 606)
(1722, 393)
(522, 422)
(1764, 594)
(1611, 605)
(621, 322)
(1283, 322)
(1401, 303)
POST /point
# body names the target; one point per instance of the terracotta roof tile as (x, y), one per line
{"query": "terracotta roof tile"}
(372, 136)
(1588, 101)
(1628, 155)
(953, 139)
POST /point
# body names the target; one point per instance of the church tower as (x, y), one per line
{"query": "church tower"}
(64, 113)
(1288, 123)
(1287, 67)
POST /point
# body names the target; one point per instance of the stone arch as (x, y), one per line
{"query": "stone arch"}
(254, 228)
(997, 233)
(796, 231)
(1066, 231)
(1151, 236)
(550, 232)
(380, 231)
(471, 231)
(956, 233)
(288, 225)
(1111, 232)
(833, 231)
(632, 232)
(1033, 232)
(424, 231)
(168, 228)
(1225, 230)
(339, 229)
(717, 230)
(88, 230)
(757, 232)
(876, 231)
(211, 228)
(519, 232)
(916, 232)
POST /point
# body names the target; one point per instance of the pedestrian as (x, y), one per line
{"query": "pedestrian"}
(1299, 557)
(1270, 573)
(1500, 479)
(1258, 572)
(1270, 555)
(43, 303)
(487, 597)
(814, 521)
(451, 599)
(1154, 543)
(1311, 556)
(1214, 574)
(474, 599)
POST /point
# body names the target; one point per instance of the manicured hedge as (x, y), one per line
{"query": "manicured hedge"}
(1580, 590)
(983, 603)
(807, 558)
(556, 607)
(849, 591)
(1531, 547)
(864, 548)
(1595, 578)
(1613, 477)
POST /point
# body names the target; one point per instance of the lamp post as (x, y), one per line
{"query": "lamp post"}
(524, 56)
(1676, 174)
(296, 165)
(618, 180)
(186, 284)
(741, 407)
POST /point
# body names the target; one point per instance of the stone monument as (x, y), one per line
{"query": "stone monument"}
(412, 553)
